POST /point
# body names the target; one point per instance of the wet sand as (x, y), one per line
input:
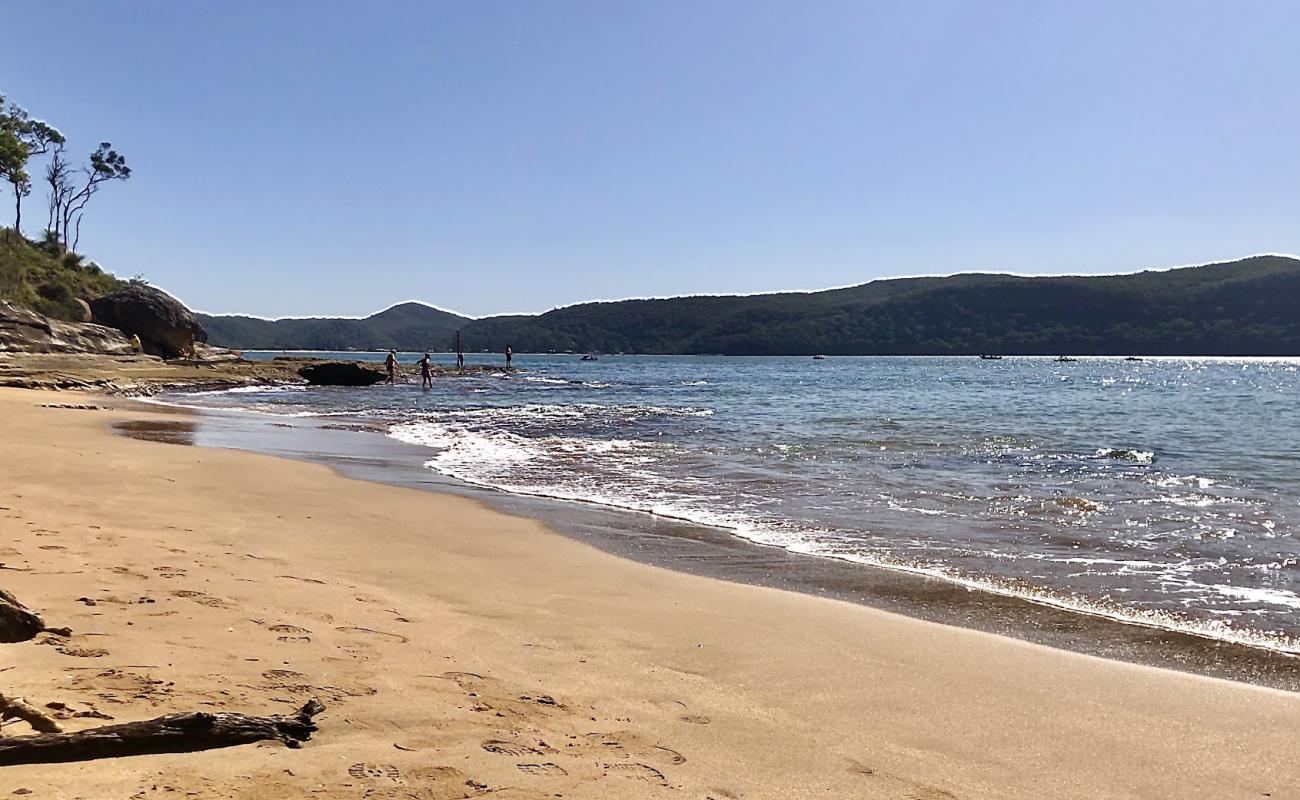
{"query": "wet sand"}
(359, 450)
(463, 652)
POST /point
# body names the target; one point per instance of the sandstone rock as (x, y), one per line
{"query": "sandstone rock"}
(165, 326)
(81, 310)
(209, 354)
(23, 331)
(340, 373)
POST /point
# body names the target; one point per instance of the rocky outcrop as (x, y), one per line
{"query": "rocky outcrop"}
(340, 373)
(23, 331)
(165, 326)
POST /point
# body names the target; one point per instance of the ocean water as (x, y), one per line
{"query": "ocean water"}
(1163, 492)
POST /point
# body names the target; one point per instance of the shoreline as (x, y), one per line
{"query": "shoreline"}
(463, 652)
(364, 451)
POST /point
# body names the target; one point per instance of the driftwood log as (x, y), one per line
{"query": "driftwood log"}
(18, 708)
(173, 733)
(17, 622)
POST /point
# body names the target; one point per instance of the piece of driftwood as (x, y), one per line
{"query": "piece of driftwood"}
(173, 733)
(17, 622)
(18, 708)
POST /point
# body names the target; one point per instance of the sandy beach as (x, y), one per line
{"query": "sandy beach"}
(461, 652)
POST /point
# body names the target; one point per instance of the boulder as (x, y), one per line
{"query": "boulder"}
(166, 327)
(17, 622)
(81, 310)
(340, 373)
(24, 331)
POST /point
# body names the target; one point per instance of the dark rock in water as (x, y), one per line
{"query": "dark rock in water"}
(81, 310)
(166, 327)
(23, 331)
(340, 373)
(17, 622)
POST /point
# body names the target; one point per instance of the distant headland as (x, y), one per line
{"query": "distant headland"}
(1246, 307)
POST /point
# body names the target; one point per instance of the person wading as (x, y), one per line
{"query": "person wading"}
(391, 364)
(426, 374)
(509, 355)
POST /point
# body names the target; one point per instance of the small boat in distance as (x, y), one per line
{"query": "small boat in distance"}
(1133, 358)
(590, 357)
(1066, 359)
(990, 358)
(819, 358)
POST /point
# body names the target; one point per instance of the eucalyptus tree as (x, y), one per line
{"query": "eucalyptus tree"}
(71, 189)
(22, 139)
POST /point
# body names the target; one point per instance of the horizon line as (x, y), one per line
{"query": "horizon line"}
(470, 317)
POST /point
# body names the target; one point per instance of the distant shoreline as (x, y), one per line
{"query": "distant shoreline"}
(1244, 307)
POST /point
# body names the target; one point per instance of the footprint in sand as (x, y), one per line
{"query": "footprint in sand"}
(290, 633)
(200, 598)
(391, 637)
(375, 772)
(464, 679)
(431, 783)
(549, 768)
(304, 580)
(637, 771)
(169, 572)
(695, 719)
(123, 687)
(82, 652)
(671, 754)
(606, 743)
(511, 748)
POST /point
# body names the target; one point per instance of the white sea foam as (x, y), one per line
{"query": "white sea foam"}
(613, 473)
(542, 379)
(1127, 454)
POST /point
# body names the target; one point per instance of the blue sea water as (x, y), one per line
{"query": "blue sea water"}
(1164, 492)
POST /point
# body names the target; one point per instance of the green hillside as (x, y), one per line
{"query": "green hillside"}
(408, 326)
(47, 280)
(1246, 307)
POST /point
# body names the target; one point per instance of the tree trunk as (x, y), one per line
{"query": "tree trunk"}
(174, 733)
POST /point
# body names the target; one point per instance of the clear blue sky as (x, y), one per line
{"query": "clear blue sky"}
(295, 158)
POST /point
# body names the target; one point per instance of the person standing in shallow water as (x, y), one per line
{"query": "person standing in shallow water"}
(509, 354)
(426, 375)
(391, 364)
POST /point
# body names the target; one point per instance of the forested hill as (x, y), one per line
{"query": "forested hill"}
(1246, 307)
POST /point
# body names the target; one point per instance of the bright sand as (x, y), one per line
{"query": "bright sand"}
(457, 648)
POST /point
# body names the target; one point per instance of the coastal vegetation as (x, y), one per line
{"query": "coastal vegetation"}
(47, 275)
(23, 141)
(1244, 307)
(48, 279)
